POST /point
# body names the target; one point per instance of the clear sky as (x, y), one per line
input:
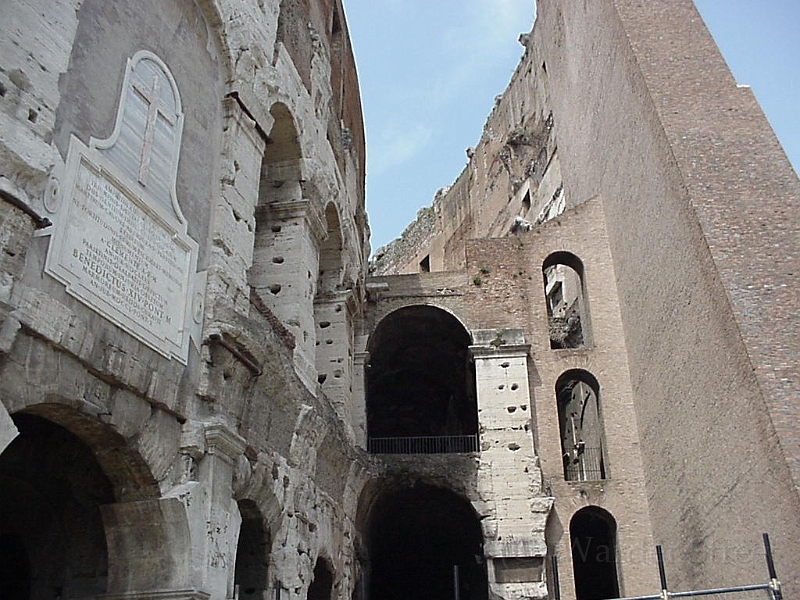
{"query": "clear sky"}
(429, 71)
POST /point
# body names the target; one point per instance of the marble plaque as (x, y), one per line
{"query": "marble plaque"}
(124, 256)
(120, 241)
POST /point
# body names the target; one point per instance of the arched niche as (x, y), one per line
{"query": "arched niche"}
(580, 425)
(565, 296)
(283, 275)
(251, 574)
(420, 381)
(593, 536)
(330, 255)
(422, 542)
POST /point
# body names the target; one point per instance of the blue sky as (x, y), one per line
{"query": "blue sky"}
(430, 69)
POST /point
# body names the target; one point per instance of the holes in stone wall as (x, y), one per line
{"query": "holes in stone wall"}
(275, 288)
(278, 260)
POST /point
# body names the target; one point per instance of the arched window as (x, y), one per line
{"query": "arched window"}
(593, 535)
(421, 384)
(283, 276)
(580, 424)
(567, 310)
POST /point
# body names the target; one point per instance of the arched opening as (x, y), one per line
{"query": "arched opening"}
(579, 420)
(334, 328)
(425, 542)
(593, 535)
(330, 255)
(283, 275)
(567, 311)
(279, 182)
(322, 584)
(421, 384)
(51, 490)
(15, 568)
(252, 554)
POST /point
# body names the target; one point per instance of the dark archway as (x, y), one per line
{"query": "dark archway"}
(15, 568)
(593, 535)
(252, 554)
(420, 541)
(51, 490)
(322, 584)
(581, 426)
(420, 379)
(567, 309)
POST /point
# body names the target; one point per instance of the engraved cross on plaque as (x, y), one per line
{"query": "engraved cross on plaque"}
(154, 107)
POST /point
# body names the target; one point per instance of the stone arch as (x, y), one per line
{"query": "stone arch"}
(417, 540)
(334, 309)
(51, 491)
(126, 469)
(566, 299)
(330, 254)
(593, 537)
(420, 380)
(288, 228)
(580, 426)
(136, 536)
(221, 19)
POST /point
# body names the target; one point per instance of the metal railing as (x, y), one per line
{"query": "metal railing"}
(585, 464)
(762, 591)
(435, 444)
(770, 590)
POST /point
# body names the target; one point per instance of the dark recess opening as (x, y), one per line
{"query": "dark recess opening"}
(51, 534)
(322, 585)
(420, 379)
(593, 534)
(415, 538)
(252, 554)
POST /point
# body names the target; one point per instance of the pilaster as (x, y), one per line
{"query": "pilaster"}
(511, 480)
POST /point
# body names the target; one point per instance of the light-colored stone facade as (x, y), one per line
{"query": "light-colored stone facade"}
(205, 393)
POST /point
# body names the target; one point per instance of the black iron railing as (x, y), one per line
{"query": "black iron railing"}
(585, 464)
(438, 444)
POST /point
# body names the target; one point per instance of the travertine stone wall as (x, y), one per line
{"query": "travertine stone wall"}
(242, 420)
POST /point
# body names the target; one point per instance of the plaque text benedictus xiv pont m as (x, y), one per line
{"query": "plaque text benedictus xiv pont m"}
(120, 241)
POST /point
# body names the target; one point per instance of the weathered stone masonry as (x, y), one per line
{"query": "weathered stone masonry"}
(587, 341)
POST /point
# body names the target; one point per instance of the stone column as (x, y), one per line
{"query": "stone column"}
(233, 221)
(285, 269)
(334, 359)
(213, 516)
(149, 549)
(510, 480)
(359, 419)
